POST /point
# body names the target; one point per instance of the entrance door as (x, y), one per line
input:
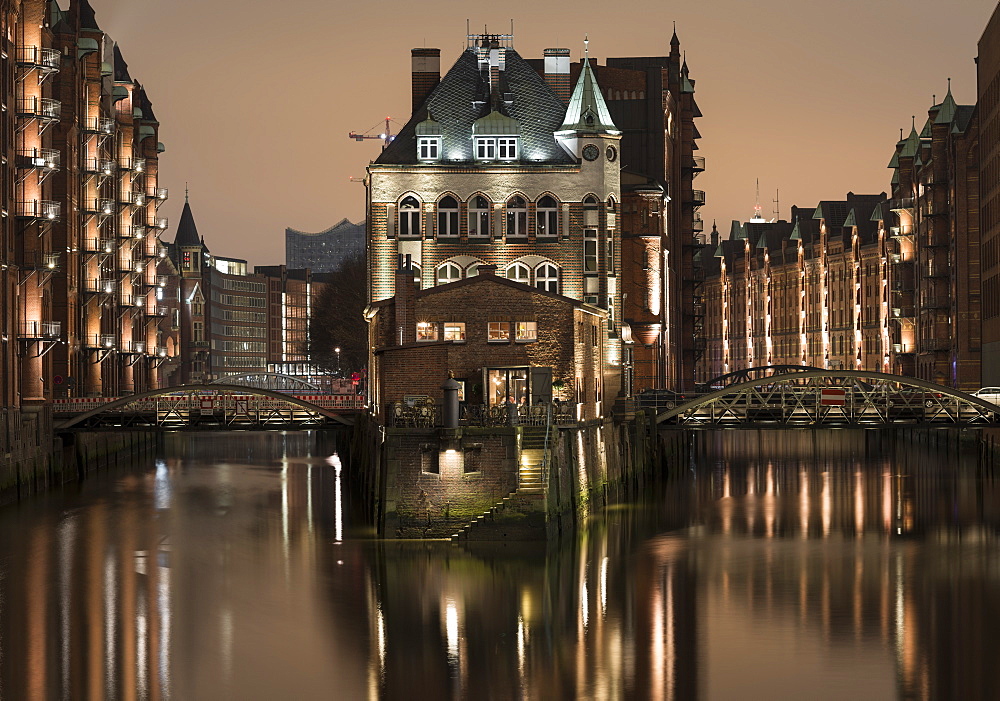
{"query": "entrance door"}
(508, 384)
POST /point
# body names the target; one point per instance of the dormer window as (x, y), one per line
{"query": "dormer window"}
(496, 148)
(429, 148)
(486, 148)
(507, 148)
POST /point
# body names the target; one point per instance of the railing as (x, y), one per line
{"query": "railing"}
(104, 166)
(697, 163)
(98, 246)
(428, 415)
(41, 260)
(902, 348)
(127, 300)
(98, 125)
(46, 59)
(901, 203)
(934, 344)
(902, 312)
(39, 108)
(137, 165)
(936, 303)
(133, 232)
(159, 223)
(160, 193)
(697, 198)
(697, 223)
(103, 286)
(157, 311)
(101, 206)
(105, 341)
(134, 347)
(39, 209)
(46, 158)
(159, 351)
(131, 197)
(41, 329)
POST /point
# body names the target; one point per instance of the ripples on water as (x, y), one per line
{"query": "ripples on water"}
(772, 565)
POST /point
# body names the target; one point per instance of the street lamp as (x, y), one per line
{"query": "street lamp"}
(337, 351)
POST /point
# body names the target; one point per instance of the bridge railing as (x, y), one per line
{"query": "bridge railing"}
(78, 405)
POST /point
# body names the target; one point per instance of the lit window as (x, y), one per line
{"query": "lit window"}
(590, 251)
(517, 217)
(526, 331)
(498, 332)
(454, 331)
(547, 277)
(486, 148)
(449, 272)
(427, 331)
(409, 217)
(198, 331)
(428, 148)
(479, 216)
(519, 272)
(507, 148)
(547, 217)
(447, 219)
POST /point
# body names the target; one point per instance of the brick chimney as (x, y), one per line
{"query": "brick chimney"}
(405, 323)
(426, 73)
(485, 269)
(557, 72)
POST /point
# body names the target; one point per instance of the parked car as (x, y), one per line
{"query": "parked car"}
(659, 399)
(989, 394)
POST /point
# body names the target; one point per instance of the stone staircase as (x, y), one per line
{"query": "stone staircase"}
(521, 514)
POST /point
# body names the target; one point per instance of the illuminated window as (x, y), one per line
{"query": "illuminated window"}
(479, 216)
(447, 218)
(507, 148)
(498, 332)
(519, 272)
(517, 217)
(409, 217)
(526, 331)
(429, 148)
(449, 272)
(427, 331)
(547, 217)
(547, 277)
(486, 148)
(454, 331)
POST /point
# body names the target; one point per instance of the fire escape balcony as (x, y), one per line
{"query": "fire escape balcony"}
(936, 303)
(901, 204)
(102, 206)
(157, 311)
(160, 194)
(903, 348)
(157, 281)
(101, 341)
(127, 300)
(41, 330)
(102, 286)
(900, 232)
(934, 345)
(695, 197)
(159, 224)
(136, 165)
(43, 109)
(101, 246)
(45, 210)
(46, 159)
(36, 57)
(696, 164)
(902, 313)
(41, 260)
(133, 232)
(99, 125)
(99, 166)
(698, 224)
(131, 198)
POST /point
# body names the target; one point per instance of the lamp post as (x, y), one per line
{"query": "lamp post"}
(337, 351)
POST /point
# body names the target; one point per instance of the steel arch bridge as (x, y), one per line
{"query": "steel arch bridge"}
(274, 381)
(747, 374)
(817, 398)
(208, 406)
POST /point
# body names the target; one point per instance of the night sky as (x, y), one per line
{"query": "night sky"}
(256, 99)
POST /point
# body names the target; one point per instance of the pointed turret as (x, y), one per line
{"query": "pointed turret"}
(946, 114)
(587, 111)
(187, 230)
(911, 144)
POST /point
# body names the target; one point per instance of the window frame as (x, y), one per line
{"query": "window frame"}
(531, 326)
(542, 281)
(447, 265)
(448, 218)
(484, 145)
(428, 148)
(409, 215)
(526, 280)
(430, 331)
(446, 326)
(507, 148)
(480, 216)
(518, 216)
(591, 255)
(501, 328)
(547, 217)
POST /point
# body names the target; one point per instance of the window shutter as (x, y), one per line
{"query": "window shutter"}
(498, 223)
(564, 221)
(390, 221)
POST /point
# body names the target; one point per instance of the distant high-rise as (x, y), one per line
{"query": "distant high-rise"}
(325, 251)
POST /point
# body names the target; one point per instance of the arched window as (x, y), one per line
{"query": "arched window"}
(547, 217)
(591, 211)
(449, 272)
(416, 273)
(519, 272)
(612, 204)
(517, 216)
(479, 216)
(409, 217)
(447, 217)
(589, 202)
(547, 277)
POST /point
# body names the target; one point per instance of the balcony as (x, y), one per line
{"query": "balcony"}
(902, 348)
(44, 158)
(104, 207)
(134, 347)
(159, 311)
(39, 209)
(900, 232)
(698, 224)
(136, 165)
(132, 198)
(696, 198)
(102, 286)
(133, 232)
(160, 194)
(99, 125)
(936, 303)
(41, 330)
(158, 351)
(901, 204)
(902, 312)
(102, 341)
(101, 246)
(161, 251)
(40, 260)
(127, 300)
(696, 164)
(42, 108)
(934, 345)
(159, 223)
(99, 166)
(38, 57)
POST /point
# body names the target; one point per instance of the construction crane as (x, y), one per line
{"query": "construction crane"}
(386, 136)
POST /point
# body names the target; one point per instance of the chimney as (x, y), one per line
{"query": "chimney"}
(405, 330)
(557, 72)
(490, 270)
(426, 73)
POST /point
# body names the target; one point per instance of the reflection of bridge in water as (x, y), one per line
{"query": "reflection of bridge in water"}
(826, 398)
(211, 406)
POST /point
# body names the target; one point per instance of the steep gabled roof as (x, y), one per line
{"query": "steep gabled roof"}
(121, 68)
(187, 231)
(87, 18)
(587, 111)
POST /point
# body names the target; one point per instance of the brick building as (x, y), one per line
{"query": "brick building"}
(504, 340)
(988, 117)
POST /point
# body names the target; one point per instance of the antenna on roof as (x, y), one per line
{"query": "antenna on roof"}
(512, 32)
(586, 46)
(185, 192)
(777, 204)
(757, 209)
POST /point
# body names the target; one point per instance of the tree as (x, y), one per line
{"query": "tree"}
(338, 320)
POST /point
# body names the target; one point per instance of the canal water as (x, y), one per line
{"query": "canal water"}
(771, 565)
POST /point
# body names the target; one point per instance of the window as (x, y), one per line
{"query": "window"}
(609, 248)
(427, 331)
(517, 216)
(416, 273)
(454, 331)
(519, 272)
(409, 217)
(449, 272)
(428, 148)
(486, 148)
(611, 204)
(447, 218)
(507, 148)
(526, 331)
(479, 216)
(590, 250)
(198, 331)
(547, 277)
(498, 332)
(198, 309)
(547, 217)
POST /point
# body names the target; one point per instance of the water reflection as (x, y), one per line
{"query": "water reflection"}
(785, 565)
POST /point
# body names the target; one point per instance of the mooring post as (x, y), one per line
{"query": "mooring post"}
(450, 410)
